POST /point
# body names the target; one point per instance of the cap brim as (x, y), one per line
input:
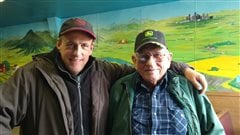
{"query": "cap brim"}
(79, 29)
(151, 42)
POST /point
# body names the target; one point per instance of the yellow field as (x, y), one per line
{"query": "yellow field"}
(227, 66)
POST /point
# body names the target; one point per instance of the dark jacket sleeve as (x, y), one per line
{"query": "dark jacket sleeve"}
(114, 71)
(13, 102)
(178, 67)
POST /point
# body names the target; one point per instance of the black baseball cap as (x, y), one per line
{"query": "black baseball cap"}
(150, 36)
(77, 24)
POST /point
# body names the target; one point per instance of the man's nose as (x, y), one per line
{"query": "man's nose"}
(150, 60)
(78, 50)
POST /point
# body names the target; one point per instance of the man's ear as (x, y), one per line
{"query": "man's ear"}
(58, 43)
(170, 56)
(92, 45)
(134, 59)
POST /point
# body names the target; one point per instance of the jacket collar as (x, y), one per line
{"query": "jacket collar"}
(173, 87)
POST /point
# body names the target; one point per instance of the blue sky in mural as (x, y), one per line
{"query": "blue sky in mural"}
(155, 12)
(162, 11)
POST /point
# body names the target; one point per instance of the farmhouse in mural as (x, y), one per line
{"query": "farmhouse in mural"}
(2, 68)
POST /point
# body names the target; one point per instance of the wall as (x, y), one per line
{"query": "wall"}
(210, 45)
(227, 101)
(202, 34)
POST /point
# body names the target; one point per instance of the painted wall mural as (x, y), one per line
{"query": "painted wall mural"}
(205, 34)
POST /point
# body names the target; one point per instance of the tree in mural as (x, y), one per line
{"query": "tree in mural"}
(7, 65)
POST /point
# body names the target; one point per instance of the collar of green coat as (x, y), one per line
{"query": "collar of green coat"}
(173, 87)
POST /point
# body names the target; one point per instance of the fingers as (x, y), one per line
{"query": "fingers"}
(197, 85)
(201, 84)
(198, 80)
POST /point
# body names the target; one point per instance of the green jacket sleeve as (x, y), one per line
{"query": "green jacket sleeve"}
(119, 110)
(209, 122)
(113, 100)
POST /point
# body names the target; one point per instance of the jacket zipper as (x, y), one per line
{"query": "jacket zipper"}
(80, 103)
(79, 94)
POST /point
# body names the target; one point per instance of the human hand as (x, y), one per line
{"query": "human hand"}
(198, 80)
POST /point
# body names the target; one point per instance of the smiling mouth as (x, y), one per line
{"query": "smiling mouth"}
(75, 60)
(149, 70)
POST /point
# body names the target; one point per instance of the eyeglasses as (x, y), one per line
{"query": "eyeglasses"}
(157, 56)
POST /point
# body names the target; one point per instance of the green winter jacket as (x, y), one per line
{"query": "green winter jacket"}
(202, 120)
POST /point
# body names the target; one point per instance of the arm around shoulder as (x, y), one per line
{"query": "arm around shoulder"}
(197, 79)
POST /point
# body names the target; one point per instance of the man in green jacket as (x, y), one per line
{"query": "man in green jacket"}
(155, 100)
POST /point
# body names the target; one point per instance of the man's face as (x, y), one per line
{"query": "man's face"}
(152, 63)
(75, 48)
